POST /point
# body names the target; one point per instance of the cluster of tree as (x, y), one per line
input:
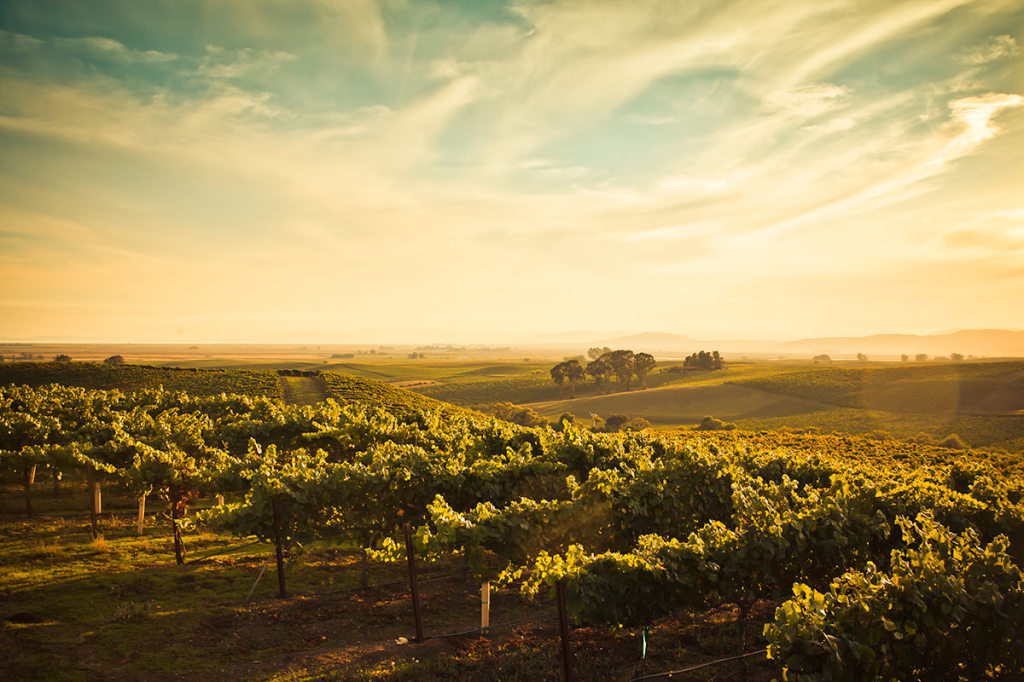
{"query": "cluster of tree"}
(114, 360)
(617, 423)
(714, 424)
(923, 357)
(622, 364)
(704, 360)
(62, 358)
(417, 356)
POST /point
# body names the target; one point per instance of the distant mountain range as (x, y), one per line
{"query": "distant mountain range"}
(977, 342)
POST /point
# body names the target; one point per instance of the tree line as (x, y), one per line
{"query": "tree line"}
(623, 365)
(605, 363)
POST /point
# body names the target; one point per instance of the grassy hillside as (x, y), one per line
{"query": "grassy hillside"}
(684, 404)
(983, 403)
(1000, 431)
(484, 387)
(136, 377)
(963, 388)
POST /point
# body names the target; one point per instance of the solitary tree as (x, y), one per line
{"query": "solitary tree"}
(600, 369)
(558, 374)
(569, 372)
(642, 364)
(861, 357)
(921, 357)
(956, 357)
(904, 357)
(114, 360)
(574, 373)
(622, 362)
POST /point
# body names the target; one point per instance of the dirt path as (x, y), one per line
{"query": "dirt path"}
(302, 390)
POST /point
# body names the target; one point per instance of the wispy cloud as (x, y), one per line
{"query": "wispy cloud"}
(993, 49)
(221, 63)
(112, 49)
(95, 46)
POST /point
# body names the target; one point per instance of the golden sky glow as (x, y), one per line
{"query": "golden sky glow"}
(334, 170)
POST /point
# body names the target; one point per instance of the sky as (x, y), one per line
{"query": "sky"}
(400, 171)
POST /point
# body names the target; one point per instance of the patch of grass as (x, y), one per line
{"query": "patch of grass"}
(101, 546)
(130, 610)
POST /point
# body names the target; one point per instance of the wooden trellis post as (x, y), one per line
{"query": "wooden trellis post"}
(485, 606)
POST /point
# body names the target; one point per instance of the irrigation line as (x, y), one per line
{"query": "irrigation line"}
(223, 550)
(670, 673)
(256, 582)
(474, 631)
(377, 586)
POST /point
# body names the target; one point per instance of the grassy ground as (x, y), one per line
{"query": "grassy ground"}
(119, 609)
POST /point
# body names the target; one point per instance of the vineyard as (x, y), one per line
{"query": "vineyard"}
(137, 377)
(837, 558)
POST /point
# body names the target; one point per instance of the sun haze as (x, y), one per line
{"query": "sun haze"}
(332, 170)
